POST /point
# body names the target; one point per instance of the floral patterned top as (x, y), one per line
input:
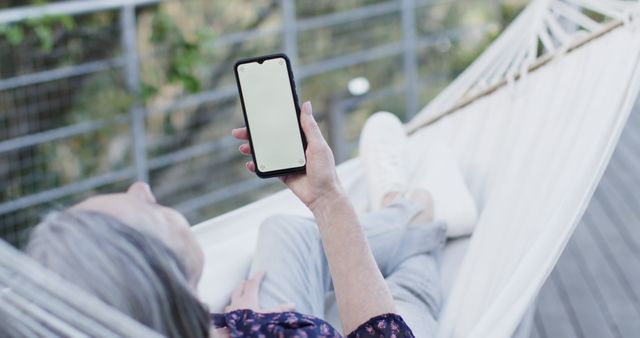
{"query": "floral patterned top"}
(246, 323)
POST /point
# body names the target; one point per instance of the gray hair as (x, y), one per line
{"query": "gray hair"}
(125, 268)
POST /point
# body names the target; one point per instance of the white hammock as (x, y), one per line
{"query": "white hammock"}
(532, 147)
(532, 153)
(37, 303)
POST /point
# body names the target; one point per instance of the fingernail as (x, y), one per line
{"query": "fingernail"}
(307, 107)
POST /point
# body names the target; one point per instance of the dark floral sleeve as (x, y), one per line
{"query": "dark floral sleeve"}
(383, 326)
(246, 323)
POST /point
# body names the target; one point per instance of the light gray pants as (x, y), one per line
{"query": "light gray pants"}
(290, 251)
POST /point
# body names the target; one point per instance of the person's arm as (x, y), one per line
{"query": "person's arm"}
(361, 291)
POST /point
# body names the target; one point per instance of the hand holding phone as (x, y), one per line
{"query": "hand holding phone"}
(271, 112)
(320, 182)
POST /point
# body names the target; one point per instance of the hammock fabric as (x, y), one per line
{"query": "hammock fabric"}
(37, 303)
(533, 142)
(536, 120)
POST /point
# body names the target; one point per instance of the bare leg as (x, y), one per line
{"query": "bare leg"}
(419, 196)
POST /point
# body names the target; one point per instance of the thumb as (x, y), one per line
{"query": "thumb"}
(309, 125)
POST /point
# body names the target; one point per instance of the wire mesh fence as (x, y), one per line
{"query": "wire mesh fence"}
(97, 94)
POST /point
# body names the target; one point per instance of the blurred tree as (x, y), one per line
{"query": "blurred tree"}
(181, 55)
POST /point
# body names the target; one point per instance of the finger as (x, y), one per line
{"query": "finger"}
(309, 124)
(281, 308)
(142, 191)
(240, 133)
(245, 149)
(252, 286)
(250, 166)
(237, 292)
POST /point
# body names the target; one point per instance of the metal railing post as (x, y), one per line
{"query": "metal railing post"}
(132, 77)
(410, 57)
(290, 31)
(336, 123)
(129, 59)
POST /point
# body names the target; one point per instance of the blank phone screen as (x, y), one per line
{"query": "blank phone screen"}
(271, 115)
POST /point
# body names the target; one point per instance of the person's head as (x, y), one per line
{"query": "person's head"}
(138, 208)
(128, 269)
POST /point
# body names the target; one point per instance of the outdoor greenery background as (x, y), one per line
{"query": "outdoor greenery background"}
(180, 56)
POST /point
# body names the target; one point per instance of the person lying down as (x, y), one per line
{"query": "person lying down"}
(142, 259)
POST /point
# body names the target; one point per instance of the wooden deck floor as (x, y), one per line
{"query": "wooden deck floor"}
(594, 290)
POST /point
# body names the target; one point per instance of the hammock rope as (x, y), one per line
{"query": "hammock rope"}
(539, 63)
(509, 59)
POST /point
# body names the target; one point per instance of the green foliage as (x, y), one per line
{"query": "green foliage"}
(184, 54)
(148, 90)
(599, 17)
(103, 97)
(178, 58)
(13, 33)
(43, 28)
(509, 11)
(45, 34)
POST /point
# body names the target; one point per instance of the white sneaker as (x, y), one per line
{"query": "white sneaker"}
(383, 144)
(438, 172)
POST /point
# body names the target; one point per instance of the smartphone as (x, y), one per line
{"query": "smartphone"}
(272, 115)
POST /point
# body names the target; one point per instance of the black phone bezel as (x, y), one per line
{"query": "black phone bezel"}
(260, 59)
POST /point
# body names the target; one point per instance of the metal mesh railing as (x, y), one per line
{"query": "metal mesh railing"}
(97, 94)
